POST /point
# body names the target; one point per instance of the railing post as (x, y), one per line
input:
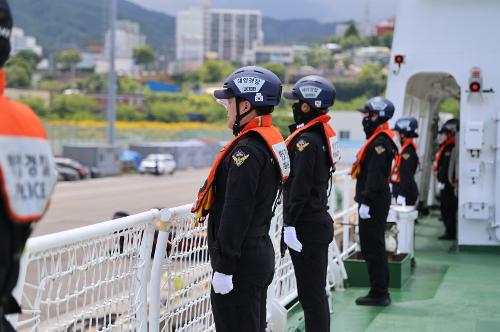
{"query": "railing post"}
(158, 261)
(141, 288)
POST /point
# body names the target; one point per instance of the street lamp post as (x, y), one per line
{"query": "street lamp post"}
(112, 74)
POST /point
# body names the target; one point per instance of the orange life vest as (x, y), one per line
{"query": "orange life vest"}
(261, 125)
(439, 154)
(383, 129)
(396, 168)
(27, 169)
(330, 136)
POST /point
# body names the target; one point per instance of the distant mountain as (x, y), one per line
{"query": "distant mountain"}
(296, 31)
(74, 23)
(59, 24)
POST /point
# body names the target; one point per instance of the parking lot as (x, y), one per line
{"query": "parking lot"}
(81, 203)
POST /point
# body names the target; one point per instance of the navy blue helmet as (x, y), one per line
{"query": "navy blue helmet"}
(407, 125)
(316, 91)
(261, 87)
(450, 127)
(381, 106)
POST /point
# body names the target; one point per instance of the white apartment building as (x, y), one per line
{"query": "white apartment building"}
(21, 42)
(128, 37)
(224, 34)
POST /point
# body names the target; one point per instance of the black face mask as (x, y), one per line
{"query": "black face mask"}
(297, 113)
(303, 118)
(369, 126)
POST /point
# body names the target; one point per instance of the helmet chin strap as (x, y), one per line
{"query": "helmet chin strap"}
(237, 127)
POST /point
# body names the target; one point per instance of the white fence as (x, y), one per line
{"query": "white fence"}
(181, 273)
(97, 277)
(89, 278)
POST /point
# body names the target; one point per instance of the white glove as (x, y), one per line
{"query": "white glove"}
(222, 283)
(440, 185)
(401, 200)
(364, 212)
(291, 239)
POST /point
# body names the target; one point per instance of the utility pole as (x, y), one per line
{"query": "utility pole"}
(113, 9)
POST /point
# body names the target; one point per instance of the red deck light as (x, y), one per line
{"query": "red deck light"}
(399, 59)
(475, 87)
(475, 80)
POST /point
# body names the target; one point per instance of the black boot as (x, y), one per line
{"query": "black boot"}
(371, 300)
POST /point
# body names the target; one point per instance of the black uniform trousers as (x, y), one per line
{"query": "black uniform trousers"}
(13, 238)
(310, 271)
(372, 238)
(449, 207)
(244, 307)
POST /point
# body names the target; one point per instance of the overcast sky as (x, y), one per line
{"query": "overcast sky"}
(322, 10)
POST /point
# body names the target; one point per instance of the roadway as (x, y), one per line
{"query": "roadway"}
(82, 203)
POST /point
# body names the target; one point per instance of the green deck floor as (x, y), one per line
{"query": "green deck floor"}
(449, 291)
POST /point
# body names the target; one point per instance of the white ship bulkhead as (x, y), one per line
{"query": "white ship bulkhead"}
(444, 44)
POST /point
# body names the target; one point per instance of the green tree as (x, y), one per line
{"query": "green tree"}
(19, 73)
(75, 107)
(31, 57)
(215, 71)
(36, 104)
(352, 30)
(330, 63)
(52, 85)
(450, 105)
(297, 62)
(94, 84)
(276, 68)
(386, 39)
(129, 113)
(128, 85)
(373, 78)
(313, 56)
(144, 55)
(353, 41)
(371, 73)
(347, 62)
(68, 59)
(167, 112)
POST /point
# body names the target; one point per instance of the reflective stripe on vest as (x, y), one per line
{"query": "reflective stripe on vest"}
(383, 129)
(27, 169)
(328, 132)
(261, 125)
(439, 154)
(396, 169)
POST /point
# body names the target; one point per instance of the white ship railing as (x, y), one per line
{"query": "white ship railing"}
(181, 272)
(89, 278)
(97, 277)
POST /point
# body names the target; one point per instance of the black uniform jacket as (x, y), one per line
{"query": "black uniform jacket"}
(306, 190)
(407, 187)
(372, 184)
(246, 185)
(444, 165)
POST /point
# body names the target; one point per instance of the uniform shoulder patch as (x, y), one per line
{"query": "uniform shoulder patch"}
(301, 145)
(406, 156)
(379, 149)
(239, 157)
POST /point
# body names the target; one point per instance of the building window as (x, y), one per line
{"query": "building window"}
(344, 135)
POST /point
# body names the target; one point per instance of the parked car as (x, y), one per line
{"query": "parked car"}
(83, 172)
(66, 173)
(158, 164)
